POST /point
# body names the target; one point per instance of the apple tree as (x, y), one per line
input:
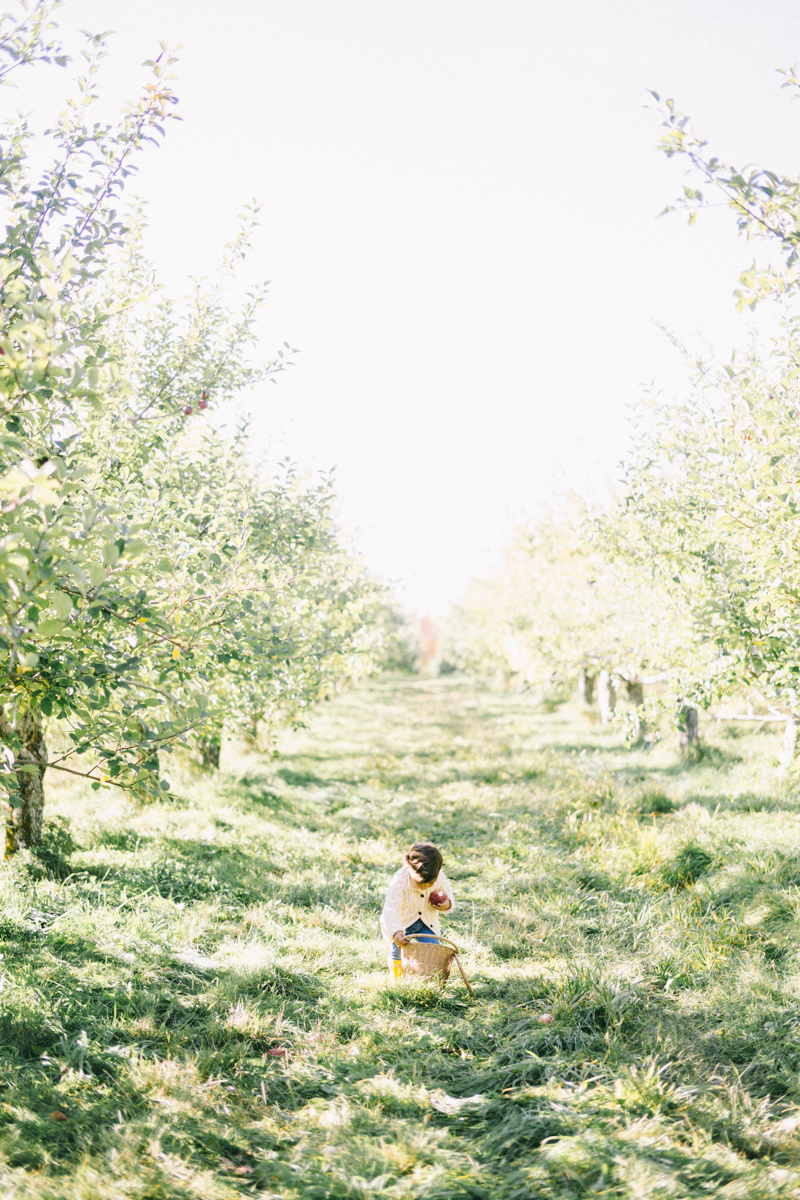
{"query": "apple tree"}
(296, 620)
(711, 502)
(565, 609)
(128, 530)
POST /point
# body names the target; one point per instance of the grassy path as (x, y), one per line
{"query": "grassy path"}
(195, 1001)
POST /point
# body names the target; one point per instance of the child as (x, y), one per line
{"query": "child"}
(418, 892)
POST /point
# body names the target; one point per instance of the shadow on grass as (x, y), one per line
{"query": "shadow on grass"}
(588, 748)
(303, 779)
(188, 1045)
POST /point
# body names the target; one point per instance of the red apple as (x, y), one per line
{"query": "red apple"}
(438, 897)
(205, 395)
(202, 402)
(188, 410)
(545, 1019)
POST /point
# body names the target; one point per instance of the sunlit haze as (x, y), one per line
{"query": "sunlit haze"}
(459, 223)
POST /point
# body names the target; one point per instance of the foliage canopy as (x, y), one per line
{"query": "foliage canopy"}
(150, 585)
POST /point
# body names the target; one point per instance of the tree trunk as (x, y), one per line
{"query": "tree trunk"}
(687, 726)
(634, 690)
(26, 803)
(786, 757)
(606, 696)
(585, 687)
(209, 749)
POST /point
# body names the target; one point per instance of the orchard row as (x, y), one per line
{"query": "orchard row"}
(152, 586)
(684, 593)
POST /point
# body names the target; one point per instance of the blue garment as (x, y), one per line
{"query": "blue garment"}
(419, 929)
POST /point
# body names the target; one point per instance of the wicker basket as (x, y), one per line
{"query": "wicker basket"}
(431, 960)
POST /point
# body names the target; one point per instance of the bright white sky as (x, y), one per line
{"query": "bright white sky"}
(459, 201)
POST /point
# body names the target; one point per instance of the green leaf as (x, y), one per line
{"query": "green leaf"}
(62, 603)
(48, 629)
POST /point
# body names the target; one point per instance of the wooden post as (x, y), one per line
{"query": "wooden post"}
(606, 696)
(585, 687)
(209, 745)
(786, 757)
(687, 726)
(634, 689)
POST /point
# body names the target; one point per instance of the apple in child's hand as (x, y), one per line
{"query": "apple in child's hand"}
(438, 898)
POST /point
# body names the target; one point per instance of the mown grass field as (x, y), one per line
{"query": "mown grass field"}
(195, 1001)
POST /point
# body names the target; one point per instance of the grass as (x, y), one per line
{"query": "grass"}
(195, 1001)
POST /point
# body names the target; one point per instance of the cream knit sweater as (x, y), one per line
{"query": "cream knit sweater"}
(405, 904)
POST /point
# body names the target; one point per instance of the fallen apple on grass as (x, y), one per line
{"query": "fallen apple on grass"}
(545, 1019)
(227, 1165)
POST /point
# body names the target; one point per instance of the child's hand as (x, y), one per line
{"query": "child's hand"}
(400, 938)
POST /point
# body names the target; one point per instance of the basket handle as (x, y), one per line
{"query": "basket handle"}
(463, 976)
(425, 940)
(414, 937)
